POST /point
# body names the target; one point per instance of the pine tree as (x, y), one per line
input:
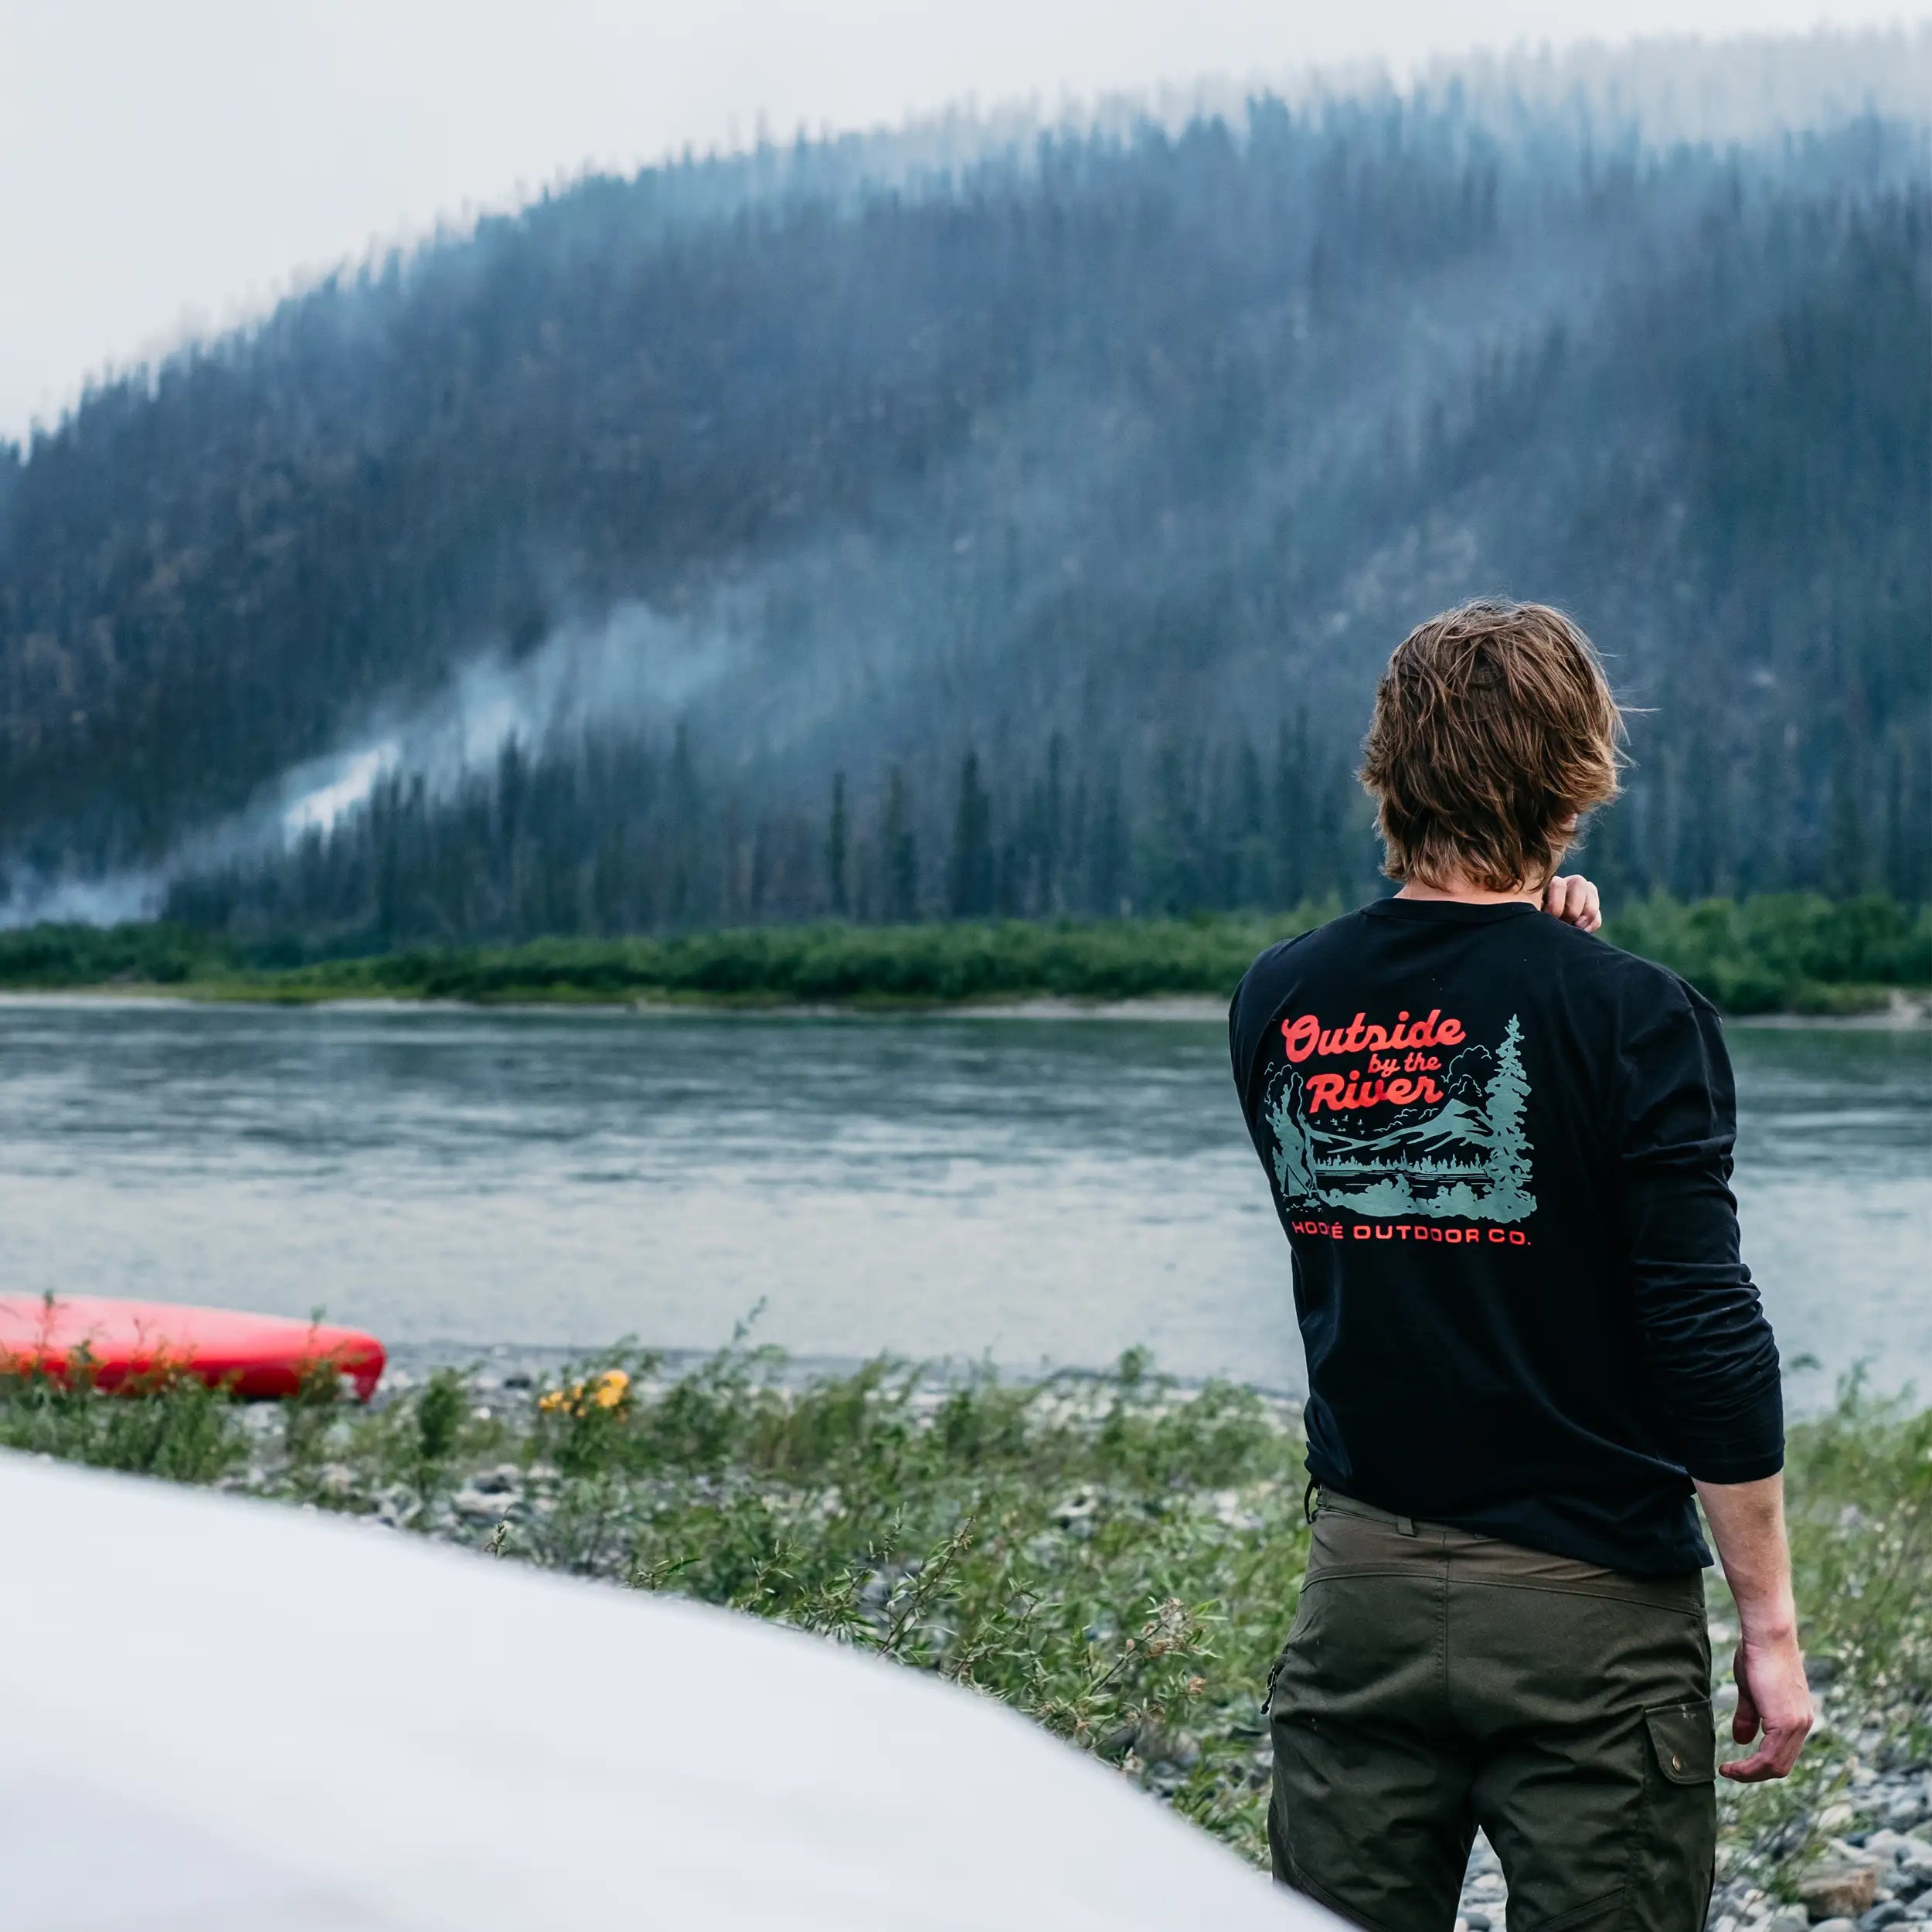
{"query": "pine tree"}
(1250, 885)
(1052, 897)
(1849, 847)
(1507, 1169)
(970, 883)
(1108, 881)
(1899, 869)
(1659, 823)
(1291, 827)
(899, 852)
(838, 848)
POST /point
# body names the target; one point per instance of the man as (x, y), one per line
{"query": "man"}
(1501, 1150)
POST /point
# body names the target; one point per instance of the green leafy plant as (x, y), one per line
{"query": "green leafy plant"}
(1117, 1556)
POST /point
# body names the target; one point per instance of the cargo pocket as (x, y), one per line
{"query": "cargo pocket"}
(1685, 1739)
(1673, 1862)
(1281, 1656)
(1274, 1671)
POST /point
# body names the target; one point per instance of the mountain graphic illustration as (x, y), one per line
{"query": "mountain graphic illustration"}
(1427, 1126)
(1463, 1155)
(1454, 1123)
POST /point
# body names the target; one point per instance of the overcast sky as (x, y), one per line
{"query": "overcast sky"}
(171, 165)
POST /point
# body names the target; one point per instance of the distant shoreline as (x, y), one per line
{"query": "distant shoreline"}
(1795, 958)
(1909, 1011)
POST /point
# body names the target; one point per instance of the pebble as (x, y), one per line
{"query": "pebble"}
(335, 1478)
(1838, 1890)
(475, 1506)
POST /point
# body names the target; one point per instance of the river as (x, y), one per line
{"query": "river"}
(1031, 1190)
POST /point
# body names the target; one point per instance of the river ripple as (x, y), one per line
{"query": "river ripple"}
(1032, 1189)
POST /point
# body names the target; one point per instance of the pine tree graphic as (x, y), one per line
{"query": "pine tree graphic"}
(1507, 1168)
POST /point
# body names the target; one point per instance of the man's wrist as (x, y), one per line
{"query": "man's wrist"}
(1774, 1623)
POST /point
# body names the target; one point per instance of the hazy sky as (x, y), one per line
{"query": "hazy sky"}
(167, 166)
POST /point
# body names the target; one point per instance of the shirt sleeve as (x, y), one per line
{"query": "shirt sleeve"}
(1247, 1015)
(1712, 1360)
(1237, 1059)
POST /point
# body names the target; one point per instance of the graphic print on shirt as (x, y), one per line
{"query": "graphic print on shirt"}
(1453, 1146)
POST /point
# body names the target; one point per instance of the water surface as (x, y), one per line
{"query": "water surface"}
(1034, 1190)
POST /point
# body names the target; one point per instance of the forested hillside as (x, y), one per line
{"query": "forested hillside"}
(1024, 537)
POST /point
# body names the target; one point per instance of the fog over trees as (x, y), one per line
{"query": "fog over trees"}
(746, 541)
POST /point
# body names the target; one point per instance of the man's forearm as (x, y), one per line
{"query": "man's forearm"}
(1747, 1524)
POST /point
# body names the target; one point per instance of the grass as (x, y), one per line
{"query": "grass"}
(1115, 1556)
(1787, 952)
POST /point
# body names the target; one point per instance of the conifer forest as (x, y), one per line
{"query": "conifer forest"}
(826, 533)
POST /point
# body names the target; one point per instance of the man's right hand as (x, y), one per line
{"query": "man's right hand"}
(1772, 1696)
(1747, 1525)
(1576, 901)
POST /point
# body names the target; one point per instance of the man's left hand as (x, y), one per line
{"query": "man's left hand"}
(1575, 901)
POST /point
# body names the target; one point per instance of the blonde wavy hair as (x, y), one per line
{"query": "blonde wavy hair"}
(1493, 729)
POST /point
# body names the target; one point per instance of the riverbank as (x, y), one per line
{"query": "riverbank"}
(1775, 954)
(1117, 1556)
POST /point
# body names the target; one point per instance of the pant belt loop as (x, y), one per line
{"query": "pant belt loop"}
(1311, 1500)
(1406, 1525)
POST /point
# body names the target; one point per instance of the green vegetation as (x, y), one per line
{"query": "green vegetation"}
(1117, 1556)
(54, 957)
(1785, 952)
(932, 964)
(1118, 959)
(1780, 952)
(165, 1424)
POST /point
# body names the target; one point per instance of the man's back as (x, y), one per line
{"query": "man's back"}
(1501, 1153)
(1501, 1149)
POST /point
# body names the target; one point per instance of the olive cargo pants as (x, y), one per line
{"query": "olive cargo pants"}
(1435, 1681)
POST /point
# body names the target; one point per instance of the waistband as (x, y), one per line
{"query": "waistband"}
(1354, 1538)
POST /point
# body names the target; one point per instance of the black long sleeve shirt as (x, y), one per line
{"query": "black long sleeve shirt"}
(1502, 1152)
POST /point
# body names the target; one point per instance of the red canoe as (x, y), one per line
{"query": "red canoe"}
(257, 1354)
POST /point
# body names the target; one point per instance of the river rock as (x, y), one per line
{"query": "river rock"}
(1888, 1912)
(335, 1479)
(1833, 1892)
